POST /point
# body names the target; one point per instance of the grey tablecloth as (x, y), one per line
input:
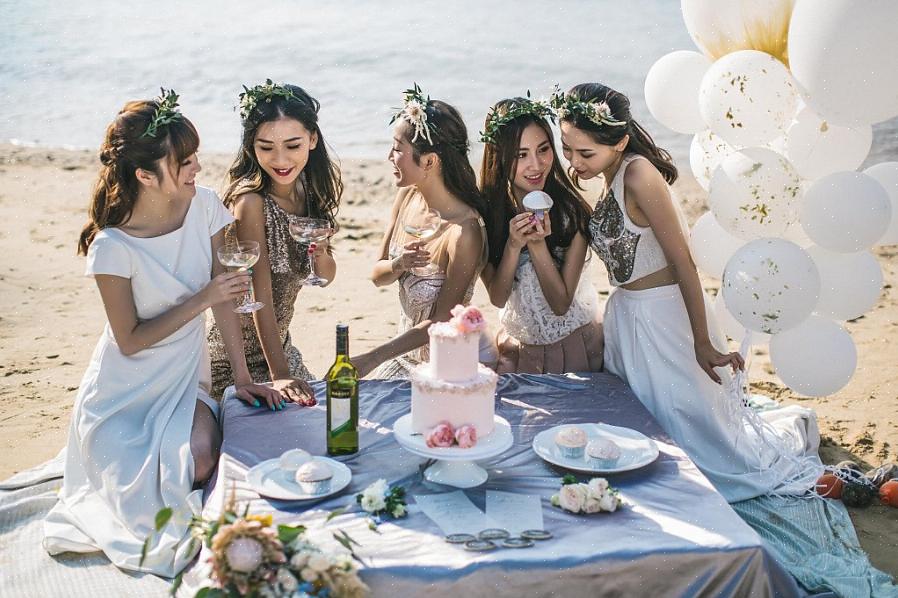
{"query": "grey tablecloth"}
(676, 536)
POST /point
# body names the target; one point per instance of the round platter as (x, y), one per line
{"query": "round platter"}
(637, 450)
(269, 480)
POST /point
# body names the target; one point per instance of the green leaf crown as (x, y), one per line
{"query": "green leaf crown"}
(499, 117)
(253, 96)
(598, 113)
(414, 112)
(166, 112)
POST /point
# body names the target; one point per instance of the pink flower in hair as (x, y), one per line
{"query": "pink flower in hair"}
(441, 436)
(466, 436)
(467, 319)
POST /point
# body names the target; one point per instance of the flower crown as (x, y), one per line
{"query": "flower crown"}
(598, 113)
(166, 112)
(251, 97)
(497, 119)
(414, 112)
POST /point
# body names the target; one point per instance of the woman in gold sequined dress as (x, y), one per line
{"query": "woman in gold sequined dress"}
(282, 172)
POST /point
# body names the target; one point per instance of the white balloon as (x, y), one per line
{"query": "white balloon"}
(748, 98)
(887, 175)
(850, 283)
(815, 358)
(770, 285)
(842, 54)
(796, 234)
(817, 148)
(671, 90)
(719, 27)
(846, 212)
(705, 154)
(731, 327)
(755, 193)
(712, 246)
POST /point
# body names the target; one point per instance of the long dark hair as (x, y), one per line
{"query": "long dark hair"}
(324, 183)
(640, 141)
(569, 212)
(124, 150)
(450, 142)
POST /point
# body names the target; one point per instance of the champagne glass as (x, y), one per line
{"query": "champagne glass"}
(423, 225)
(311, 231)
(242, 255)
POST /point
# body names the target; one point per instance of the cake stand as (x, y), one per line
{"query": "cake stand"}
(455, 466)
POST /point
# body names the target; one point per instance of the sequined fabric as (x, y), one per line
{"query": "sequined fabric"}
(289, 265)
(611, 240)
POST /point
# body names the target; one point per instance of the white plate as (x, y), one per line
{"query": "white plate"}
(268, 479)
(636, 449)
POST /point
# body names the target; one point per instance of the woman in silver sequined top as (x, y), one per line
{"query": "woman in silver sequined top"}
(282, 171)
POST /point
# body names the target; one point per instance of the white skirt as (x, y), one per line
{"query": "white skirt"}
(649, 344)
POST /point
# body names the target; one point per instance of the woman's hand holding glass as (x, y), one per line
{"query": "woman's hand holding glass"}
(413, 256)
(228, 286)
(313, 232)
(242, 255)
(423, 224)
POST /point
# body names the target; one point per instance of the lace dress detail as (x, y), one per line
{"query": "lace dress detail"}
(289, 266)
(629, 251)
(417, 300)
(527, 315)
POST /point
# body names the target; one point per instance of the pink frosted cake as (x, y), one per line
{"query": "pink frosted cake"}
(454, 388)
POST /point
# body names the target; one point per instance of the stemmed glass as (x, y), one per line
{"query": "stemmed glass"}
(242, 255)
(311, 231)
(423, 225)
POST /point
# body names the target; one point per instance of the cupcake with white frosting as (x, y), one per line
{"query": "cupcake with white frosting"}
(314, 477)
(571, 441)
(293, 459)
(603, 452)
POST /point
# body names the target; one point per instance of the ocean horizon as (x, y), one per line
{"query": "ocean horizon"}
(66, 69)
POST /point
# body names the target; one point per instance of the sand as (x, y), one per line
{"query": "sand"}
(51, 316)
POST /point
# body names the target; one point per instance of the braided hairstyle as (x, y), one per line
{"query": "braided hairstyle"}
(124, 150)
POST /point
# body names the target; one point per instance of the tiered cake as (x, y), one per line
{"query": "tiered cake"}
(454, 387)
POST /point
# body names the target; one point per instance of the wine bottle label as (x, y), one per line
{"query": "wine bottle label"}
(340, 413)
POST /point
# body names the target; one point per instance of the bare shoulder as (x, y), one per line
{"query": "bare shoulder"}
(642, 173)
(249, 205)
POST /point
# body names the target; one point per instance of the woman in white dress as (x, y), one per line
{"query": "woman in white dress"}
(430, 164)
(660, 336)
(143, 433)
(549, 310)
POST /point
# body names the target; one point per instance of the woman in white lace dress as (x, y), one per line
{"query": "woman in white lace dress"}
(430, 164)
(549, 311)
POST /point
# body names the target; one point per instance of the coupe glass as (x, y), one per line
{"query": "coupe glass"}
(242, 255)
(423, 225)
(311, 231)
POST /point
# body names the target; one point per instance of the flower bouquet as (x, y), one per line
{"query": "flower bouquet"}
(251, 557)
(596, 496)
(380, 500)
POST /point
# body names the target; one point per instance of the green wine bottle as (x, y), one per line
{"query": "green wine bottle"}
(342, 400)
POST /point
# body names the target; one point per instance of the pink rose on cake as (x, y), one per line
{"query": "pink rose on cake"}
(468, 319)
(466, 436)
(441, 436)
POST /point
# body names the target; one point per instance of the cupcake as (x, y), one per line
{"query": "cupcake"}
(293, 459)
(314, 477)
(570, 441)
(603, 452)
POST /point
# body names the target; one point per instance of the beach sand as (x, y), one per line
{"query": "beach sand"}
(51, 316)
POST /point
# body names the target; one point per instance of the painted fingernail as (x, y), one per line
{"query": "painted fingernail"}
(256, 403)
(271, 407)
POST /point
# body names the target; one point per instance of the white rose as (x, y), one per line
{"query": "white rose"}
(378, 488)
(592, 505)
(399, 511)
(372, 503)
(319, 563)
(287, 581)
(572, 497)
(608, 502)
(597, 487)
(308, 575)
